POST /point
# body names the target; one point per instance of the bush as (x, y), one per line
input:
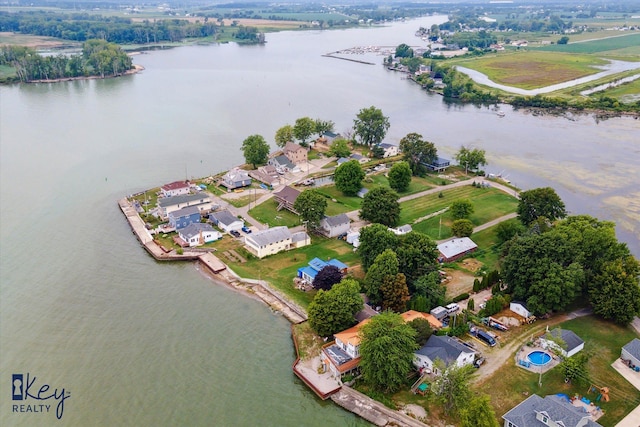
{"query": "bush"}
(476, 285)
(460, 297)
(471, 304)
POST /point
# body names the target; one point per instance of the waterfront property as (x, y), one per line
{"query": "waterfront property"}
(440, 164)
(554, 410)
(273, 240)
(309, 272)
(282, 164)
(167, 205)
(236, 178)
(226, 221)
(295, 153)
(266, 174)
(343, 355)
(183, 217)
(197, 234)
(562, 341)
(176, 188)
(449, 350)
(456, 248)
(390, 150)
(334, 226)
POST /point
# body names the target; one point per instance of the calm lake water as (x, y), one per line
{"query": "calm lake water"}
(136, 342)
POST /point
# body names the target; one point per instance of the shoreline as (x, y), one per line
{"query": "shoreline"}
(135, 70)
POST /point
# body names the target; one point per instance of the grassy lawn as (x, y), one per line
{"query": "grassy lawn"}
(280, 269)
(597, 46)
(534, 69)
(489, 203)
(488, 252)
(267, 213)
(603, 341)
(308, 343)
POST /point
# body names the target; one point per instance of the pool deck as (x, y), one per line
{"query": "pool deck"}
(522, 355)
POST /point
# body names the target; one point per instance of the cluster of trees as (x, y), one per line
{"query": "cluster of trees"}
(596, 102)
(85, 26)
(302, 131)
(248, 35)
(98, 58)
(471, 158)
(555, 261)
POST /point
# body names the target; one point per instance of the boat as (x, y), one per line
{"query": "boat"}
(500, 113)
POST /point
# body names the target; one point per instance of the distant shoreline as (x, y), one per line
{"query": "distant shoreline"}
(136, 69)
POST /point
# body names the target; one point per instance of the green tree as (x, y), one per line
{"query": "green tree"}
(507, 230)
(404, 51)
(371, 126)
(374, 240)
(575, 369)
(340, 148)
(348, 177)
(311, 205)
(540, 202)
(385, 267)
(563, 40)
(400, 176)
(381, 205)
(462, 228)
(323, 126)
(615, 291)
(452, 387)
(255, 150)
(461, 209)
(395, 293)
(303, 129)
(417, 255)
(386, 349)
(423, 330)
(477, 412)
(540, 269)
(418, 152)
(284, 135)
(413, 64)
(334, 310)
(471, 304)
(471, 159)
(431, 289)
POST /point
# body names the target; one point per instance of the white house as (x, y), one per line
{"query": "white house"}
(572, 342)
(631, 352)
(520, 309)
(353, 238)
(553, 411)
(176, 188)
(390, 150)
(445, 348)
(226, 221)
(403, 229)
(236, 178)
(273, 240)
(333, 226)
(343, 355)
(197, 234)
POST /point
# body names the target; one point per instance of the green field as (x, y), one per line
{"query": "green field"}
(630, 42)
(603, 341)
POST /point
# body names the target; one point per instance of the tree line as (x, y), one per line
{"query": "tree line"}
(84, 26)
(98, 58)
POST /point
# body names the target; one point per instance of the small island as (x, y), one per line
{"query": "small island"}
(412, 284)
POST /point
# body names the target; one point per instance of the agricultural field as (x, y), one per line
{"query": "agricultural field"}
(534, 69)
(629, 44)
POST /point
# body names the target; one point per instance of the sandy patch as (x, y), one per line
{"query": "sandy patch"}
(416, 411)
(472, 264)
(458, 283)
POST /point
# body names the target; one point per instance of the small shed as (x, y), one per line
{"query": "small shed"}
(439, 312)
(520, 309)
(573, 343)
(631, 352)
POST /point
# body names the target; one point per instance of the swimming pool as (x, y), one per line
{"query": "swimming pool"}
(539, 358)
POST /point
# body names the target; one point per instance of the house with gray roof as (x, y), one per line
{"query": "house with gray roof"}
(226, 221)
(183, 217)
(283, 164)
(333, 226)
(266, 174)
(167, 205)
(631, 352)
(448, 349)
(563, 341)
(236, 178)
(286, 198)
(554, 411)
(273, 240)
(198, 234)
(390, 150)
(403, 229)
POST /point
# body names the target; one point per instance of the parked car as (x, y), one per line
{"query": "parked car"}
(246, 229)
(235, 233)
(479, 361)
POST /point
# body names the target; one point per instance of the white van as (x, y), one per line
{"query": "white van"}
(452, 308)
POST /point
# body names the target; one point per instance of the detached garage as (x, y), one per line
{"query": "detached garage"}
(631, 352)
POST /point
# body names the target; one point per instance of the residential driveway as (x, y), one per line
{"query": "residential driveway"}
(633, 419)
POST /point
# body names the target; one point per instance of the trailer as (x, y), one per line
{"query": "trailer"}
(496, 324)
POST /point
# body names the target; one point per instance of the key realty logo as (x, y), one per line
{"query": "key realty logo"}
(28, 395)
